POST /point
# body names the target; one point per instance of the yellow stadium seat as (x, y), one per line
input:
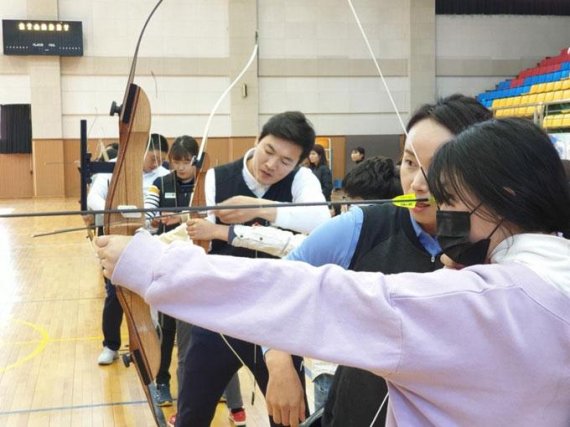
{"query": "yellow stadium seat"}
(557, 121)
(549, 87)
(566, 120)
(541, 88)
(548, 96)
(529, 111)
(558, 95)
(495, 104)
(509, 102)
(540, 97)
(557, 85)
(532, 98)
(566, 95)
(546, 122)
(525, 99)
(534, 89)
(566, 84)
(517, 100)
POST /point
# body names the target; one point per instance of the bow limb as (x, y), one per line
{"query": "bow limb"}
(126, 189)
(225, 93)
(200, 157)
(202, 160)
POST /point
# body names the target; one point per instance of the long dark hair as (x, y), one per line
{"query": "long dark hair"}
(455, 112)
(319, 149)
(512, 168)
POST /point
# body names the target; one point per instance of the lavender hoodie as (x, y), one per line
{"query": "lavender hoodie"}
(485, 346)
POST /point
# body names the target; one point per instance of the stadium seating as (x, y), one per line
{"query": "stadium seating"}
(541, 92)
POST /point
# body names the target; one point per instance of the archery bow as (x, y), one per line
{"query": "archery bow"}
(126, 189)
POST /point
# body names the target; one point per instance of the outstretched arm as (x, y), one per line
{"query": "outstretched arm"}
(282, 301)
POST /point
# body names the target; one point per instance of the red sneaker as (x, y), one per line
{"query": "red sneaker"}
(171, 421)
(238, 417)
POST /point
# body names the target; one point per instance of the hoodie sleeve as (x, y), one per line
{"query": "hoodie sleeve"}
(281, 301)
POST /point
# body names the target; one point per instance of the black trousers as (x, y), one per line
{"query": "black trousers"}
(354, 399)
(168, 334)
(112, 318)
(209, 366)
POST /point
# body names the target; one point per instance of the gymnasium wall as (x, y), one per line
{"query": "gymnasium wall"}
(311, 58)
(475, 52)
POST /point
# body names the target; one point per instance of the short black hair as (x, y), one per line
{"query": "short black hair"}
(158, 142)
(512, 168)
(291, 126)
(455, 113)
(373, 178)
(183, 148)
(361, 150)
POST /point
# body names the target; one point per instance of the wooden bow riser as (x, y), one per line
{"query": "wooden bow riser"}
(126, 189)
(126, 184)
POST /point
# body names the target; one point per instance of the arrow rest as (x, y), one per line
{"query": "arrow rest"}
(115, 109)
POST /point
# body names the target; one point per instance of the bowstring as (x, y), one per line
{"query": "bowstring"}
(200, 159)
(389, 92)
(385, 83)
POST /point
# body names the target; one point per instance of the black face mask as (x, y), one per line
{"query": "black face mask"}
(453, 236)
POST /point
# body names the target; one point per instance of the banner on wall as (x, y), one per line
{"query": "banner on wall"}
(561, 142)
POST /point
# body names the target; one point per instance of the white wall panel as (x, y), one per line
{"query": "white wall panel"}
(466, 85)
(331, 94)
(13, 9)
(326, 28)
(15, 89)
(352, 124)
(501, 36)
(179, 104)
(180, 28)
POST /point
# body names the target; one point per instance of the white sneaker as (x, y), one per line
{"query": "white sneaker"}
(107, 356)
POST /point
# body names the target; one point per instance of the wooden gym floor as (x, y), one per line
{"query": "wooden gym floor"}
(51, 297)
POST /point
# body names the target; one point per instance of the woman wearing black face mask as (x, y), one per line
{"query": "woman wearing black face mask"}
(484, 345)
(485, 198)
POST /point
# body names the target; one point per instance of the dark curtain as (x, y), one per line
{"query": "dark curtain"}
(15, 128)
(503, 7)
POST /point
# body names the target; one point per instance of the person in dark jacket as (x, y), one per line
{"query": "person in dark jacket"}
(319, 165)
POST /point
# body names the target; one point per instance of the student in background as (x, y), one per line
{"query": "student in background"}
(112, 315)
(358, 154)
(172, 190)
(318, 163)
